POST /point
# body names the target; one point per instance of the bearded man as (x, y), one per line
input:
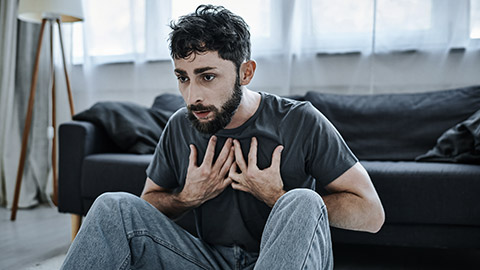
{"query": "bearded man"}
(246, 163)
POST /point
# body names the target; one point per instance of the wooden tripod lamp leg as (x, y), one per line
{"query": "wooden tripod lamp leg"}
(26, 129)
(76, 223)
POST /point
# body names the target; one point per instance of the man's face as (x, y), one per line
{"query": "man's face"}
(210, 87)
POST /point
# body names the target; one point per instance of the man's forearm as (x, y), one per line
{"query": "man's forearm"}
(352, 212)
(167, 203)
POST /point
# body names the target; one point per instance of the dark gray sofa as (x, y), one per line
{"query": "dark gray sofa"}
(431, 202)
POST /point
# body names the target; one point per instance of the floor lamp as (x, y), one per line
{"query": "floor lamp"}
(51, 12)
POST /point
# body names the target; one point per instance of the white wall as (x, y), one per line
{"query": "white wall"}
(396, 72)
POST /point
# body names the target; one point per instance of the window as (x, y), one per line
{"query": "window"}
(352, 25)
(115, 31)
(127, 30)
(475, 19)
(343, 27)
(137, 30)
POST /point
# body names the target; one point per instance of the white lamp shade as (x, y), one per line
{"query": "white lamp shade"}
(35, 10)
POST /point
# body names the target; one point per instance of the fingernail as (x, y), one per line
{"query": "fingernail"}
(214, 138)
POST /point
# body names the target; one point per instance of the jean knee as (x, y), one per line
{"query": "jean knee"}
(305, 196)
(112, 200)
(302, 198)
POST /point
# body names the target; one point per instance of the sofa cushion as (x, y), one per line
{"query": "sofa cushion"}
(113, 172)
(396, 126)
(427, 193)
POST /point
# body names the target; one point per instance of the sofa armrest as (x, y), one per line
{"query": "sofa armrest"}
(77, 139)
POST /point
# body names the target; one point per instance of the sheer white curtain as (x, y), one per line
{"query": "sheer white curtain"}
(17, 55)
(8, 29)
(372, 46)
(299, 43)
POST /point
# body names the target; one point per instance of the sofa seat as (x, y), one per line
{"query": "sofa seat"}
(109, 172)
(427, 204)
(415, 192)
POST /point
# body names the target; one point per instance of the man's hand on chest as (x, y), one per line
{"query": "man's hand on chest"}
(266, 185)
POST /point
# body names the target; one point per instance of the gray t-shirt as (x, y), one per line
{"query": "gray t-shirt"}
(314, 155)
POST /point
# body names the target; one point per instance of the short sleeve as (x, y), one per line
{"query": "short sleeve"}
(160, 169)
(328, 156)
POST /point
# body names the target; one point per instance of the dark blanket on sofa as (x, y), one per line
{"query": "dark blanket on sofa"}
(460, 143)
(133, 128)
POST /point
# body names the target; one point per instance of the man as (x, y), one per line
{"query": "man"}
(244, 162)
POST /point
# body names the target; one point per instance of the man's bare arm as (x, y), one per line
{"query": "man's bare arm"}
(164, 200)
(354, 204)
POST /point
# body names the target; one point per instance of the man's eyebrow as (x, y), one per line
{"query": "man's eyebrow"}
(195, 71)
(201, 70)
(181, 72)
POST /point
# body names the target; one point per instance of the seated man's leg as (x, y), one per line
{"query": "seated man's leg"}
(297, 234)
(122, 231)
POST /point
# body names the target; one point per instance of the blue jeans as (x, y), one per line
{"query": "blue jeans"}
(122, 231)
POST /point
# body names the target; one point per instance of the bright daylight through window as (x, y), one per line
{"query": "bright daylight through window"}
(475, 19)
(129, 30)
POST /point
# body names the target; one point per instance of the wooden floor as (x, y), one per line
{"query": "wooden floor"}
(37, 234)
(42, 233)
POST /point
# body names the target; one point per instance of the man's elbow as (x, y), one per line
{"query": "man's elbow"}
(377, 217)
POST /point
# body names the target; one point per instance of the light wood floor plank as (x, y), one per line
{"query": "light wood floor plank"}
(37, 234)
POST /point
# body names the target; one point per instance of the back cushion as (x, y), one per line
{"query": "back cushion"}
(396, 126)
(168, 102)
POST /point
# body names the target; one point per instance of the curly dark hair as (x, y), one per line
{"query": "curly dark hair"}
(211, 28)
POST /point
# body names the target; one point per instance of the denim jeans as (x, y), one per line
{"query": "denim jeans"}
(122, 231)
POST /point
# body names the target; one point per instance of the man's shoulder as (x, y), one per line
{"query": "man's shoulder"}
(179, 115)
(178, 119)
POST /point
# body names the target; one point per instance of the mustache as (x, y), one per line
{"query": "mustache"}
(201, 107)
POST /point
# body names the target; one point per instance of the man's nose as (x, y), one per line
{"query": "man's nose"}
(194, 94)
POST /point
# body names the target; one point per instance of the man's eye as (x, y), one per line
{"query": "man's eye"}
(209, 77)
(182, 79)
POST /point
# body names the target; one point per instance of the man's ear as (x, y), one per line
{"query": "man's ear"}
(247, 70)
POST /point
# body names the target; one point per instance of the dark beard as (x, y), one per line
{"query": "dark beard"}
(222, 118)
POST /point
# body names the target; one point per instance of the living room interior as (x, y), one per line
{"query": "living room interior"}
(397, 78)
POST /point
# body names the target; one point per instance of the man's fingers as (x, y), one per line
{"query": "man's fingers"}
(238, 186)
(239, 156)
(277, 157)
(224, 155)
(233, 172)
(192, 157)
(252, 154)
(227, 182)
(229, 162)
(210, 152)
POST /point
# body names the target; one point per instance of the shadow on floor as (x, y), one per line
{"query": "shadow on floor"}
(360, 257)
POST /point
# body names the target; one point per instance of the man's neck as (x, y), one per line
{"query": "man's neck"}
(247, 108)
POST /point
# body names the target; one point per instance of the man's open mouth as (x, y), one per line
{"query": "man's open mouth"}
(202, 114)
